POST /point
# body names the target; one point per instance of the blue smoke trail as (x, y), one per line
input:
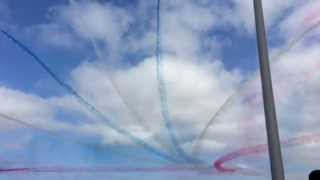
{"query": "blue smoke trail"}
(163, 96)
(89, 106)
(136, 116)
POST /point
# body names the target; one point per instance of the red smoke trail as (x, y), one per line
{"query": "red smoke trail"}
(219, 164)
(258, 149)
(169, 169)
(202, 170)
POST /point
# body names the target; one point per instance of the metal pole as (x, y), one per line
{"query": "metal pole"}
(274, 146)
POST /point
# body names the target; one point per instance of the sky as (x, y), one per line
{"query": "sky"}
(114, 108)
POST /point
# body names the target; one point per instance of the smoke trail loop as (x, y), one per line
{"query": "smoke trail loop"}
(219, 164)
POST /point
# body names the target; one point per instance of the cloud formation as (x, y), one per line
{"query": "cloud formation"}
(197, 83)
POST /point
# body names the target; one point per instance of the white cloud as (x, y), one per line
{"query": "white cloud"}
(104, 23)
(118, 30)
(196, 85)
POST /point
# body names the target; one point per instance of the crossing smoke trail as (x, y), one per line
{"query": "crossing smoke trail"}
(218, 167)
(219, 164)
(165, 110)
(243, 85)
(163, 94)
(123, 99)
(89, 106)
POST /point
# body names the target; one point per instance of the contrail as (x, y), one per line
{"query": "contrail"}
(163, 94)
(89, 106)
(242, 86)
(123, 99)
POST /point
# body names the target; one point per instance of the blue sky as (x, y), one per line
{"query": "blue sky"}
(105, 51)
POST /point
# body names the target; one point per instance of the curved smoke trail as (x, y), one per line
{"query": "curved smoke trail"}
(89, 106)
(219, 164)
(163, 95)
(258, 149)
(114, 85)
(243, 85)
